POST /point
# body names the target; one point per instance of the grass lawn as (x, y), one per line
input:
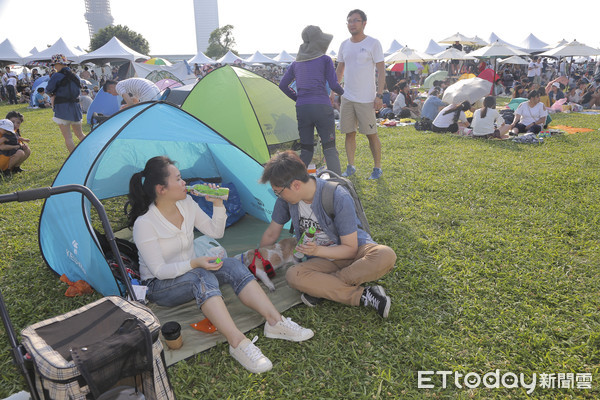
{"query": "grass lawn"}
(498, 250)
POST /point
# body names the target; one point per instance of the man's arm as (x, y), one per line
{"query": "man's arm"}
(271, 234)
(347, 248)
(380, 66)
(339, 72)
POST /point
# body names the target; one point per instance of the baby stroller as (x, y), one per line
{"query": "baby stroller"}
(108, 349)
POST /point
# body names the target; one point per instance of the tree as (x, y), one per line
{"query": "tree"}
(220, 42)
(130, 38)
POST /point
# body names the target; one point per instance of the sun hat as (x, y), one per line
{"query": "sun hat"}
(315, 43)
(60, 59)
(556, 84)
(7, 125)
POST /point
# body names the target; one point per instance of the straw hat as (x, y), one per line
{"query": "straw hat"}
(315, 43)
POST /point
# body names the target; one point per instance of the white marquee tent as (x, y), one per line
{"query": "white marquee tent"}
(8, 53)
(59, 47)
(111, 51)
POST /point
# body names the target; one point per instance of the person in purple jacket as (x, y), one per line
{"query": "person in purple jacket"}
(314, 72)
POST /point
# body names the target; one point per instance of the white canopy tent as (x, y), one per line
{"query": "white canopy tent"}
(434, 48)
(495, 38)
(259, 58)
(284, 57)
(200, 59)
(8, 53)
(394, 47)
(59, 47)
(229, 58)
(532, 44)
(113, 50)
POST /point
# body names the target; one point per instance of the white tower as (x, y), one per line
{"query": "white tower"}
(97, 14)
(206, 13)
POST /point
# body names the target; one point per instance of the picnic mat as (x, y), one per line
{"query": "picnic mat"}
(571, 129)
(243, 235)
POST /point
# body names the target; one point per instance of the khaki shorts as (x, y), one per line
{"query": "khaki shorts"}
(357, 114)
(65, 122)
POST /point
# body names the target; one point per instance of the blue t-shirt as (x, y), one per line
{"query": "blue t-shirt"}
(431, 107)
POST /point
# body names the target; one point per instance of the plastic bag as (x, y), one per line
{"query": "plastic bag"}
(205, 246)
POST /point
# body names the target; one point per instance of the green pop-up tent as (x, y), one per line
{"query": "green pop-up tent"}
(247, 109)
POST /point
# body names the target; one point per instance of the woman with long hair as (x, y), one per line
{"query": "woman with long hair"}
(451, 118)
(163, 217)
(487, 121)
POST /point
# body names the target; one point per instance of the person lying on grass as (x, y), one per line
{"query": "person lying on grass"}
(343, 256)
(163, 217)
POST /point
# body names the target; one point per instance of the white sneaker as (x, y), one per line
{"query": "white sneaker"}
(250, 356)
(288, 330)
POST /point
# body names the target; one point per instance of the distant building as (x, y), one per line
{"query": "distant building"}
(206, 14)
(97, 14)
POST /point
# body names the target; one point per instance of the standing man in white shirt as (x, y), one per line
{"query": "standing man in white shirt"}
(359, 58)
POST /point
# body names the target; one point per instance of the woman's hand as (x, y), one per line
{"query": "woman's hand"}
(216, 201)
(208, 263)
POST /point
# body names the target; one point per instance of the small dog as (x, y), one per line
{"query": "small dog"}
(278, 254)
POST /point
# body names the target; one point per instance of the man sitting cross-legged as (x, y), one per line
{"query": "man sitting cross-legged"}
(343, 256)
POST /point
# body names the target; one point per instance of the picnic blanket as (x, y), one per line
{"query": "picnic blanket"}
(571, 129)
(243, 235)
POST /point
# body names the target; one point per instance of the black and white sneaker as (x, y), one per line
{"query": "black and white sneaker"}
(374, 296)
(309, 300)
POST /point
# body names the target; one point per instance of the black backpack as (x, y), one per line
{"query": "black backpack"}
(424, 124)
(129, 255)
(327, 197)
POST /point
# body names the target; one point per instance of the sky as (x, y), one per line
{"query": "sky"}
(271, 26)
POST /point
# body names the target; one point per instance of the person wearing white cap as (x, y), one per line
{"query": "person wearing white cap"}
(11, 151)
(64, 89)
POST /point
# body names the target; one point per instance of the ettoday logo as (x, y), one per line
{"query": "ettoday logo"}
(508, 380)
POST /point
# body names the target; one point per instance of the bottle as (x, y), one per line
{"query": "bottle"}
(205, 190)
(307, 237)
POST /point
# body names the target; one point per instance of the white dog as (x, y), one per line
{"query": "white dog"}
(278, 254)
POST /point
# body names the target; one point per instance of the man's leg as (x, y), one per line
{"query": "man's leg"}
(339, 280)
(348, 124)
(375, 145)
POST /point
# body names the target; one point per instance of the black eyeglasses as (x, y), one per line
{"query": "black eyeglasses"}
(286, 186)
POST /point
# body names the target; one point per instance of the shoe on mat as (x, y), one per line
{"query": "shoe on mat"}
(350, 170)
(309, 300)
(376, 174)
(250, 356)
(288, 330)
(374, 296)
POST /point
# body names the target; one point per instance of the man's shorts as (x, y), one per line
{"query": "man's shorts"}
(65, 122)
(361, 115)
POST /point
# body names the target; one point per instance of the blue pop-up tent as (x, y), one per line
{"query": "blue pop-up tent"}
(105, 161)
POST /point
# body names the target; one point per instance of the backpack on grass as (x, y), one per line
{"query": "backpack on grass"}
(129, 255)
(327, 197)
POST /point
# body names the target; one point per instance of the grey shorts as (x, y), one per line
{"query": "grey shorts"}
(361, 115)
